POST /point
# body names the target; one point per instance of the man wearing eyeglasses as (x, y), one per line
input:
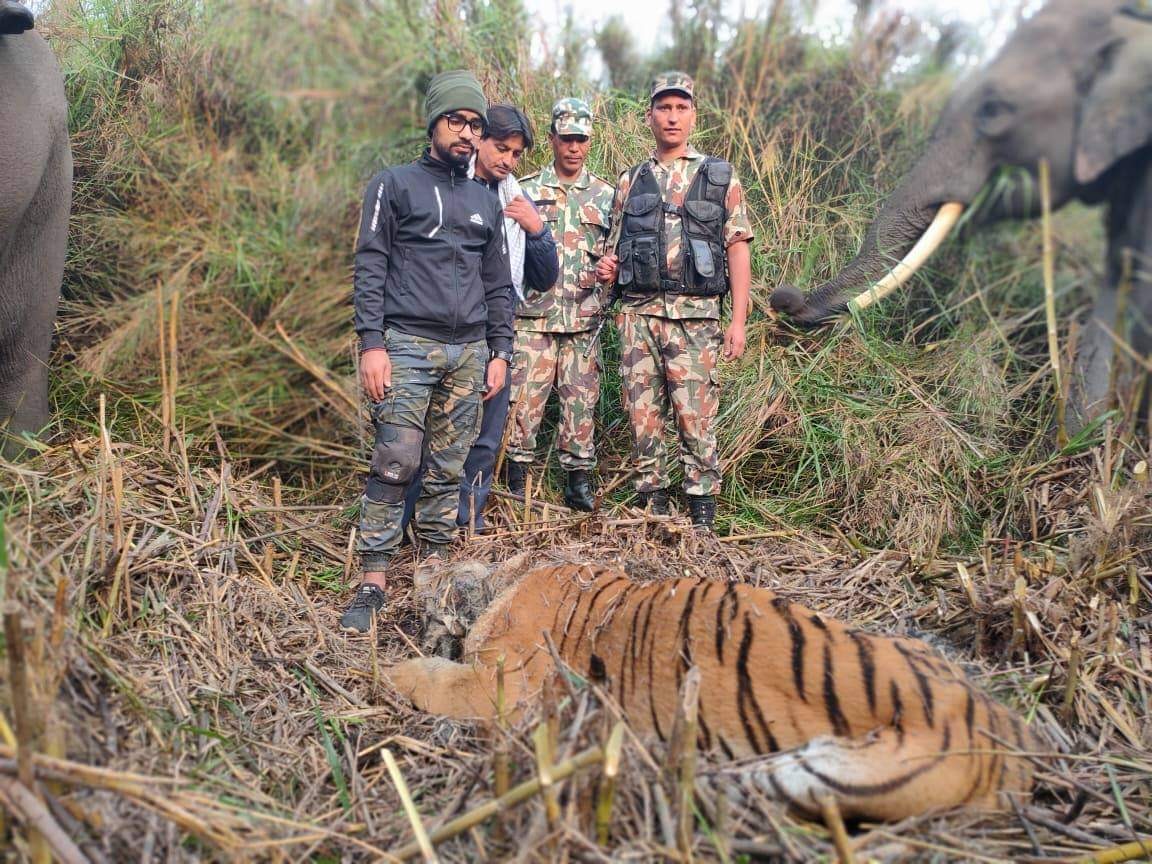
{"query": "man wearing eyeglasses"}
(432, 294)
(681, 238)
(554, 326)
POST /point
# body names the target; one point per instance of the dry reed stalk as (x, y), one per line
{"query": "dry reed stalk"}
(1135, 851)
(120, 575)
(1048, 269)
(612, 753)
(542, 742)
(20, 690)
(1075, 656)
(686, 759)
(169, 395)
(41, 826)
(835, 823)
(516, 795)
(410, 810)
(27, 732)
(162, 357)
(103, 481)
(500, 767)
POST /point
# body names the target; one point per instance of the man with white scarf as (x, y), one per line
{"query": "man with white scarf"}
(535, 267)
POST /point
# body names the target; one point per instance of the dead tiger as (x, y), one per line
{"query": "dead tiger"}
(886, 725)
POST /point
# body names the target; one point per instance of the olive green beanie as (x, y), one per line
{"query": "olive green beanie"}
(451, 91)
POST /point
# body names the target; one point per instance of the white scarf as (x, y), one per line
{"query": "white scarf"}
(508, 189)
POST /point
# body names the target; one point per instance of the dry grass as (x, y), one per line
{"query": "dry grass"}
(177, 555)
(204, 675)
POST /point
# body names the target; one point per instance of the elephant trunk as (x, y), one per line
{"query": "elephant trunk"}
(895, 246)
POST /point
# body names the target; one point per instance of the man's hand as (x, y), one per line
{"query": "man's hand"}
(496, 378)
(734, 341)
(521, 210)
(606, 269)
(376, 373)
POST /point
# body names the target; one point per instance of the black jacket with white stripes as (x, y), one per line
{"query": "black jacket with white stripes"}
(431, 259)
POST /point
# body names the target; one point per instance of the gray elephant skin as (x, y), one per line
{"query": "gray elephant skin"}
(1073, 86)
(35, 198)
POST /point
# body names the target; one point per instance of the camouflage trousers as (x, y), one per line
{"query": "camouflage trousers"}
(668, 371)
(555, 360)
(432, 411)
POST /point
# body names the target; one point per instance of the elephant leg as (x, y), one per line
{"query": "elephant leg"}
(1129, 227)
(30, 276)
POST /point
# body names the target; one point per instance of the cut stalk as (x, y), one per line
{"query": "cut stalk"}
(542, 740)
(516, 795)
(425, 844)
(1075, 656)
(1050, 302)
(612, 753)
(835, 823)
(689, 711)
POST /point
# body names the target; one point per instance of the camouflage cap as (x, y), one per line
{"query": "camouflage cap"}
(572, 116)
(673, 81)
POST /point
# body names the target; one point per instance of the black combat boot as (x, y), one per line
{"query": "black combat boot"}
(657, 500)
(702, 508)
(515, 476)
(15, 18)
(578, 491)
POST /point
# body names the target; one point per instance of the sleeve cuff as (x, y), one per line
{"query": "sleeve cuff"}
(500, 345)
(370, 339)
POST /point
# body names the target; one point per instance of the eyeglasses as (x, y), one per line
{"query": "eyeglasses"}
(456, 123)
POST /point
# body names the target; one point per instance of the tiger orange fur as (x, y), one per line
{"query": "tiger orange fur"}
(886, 725)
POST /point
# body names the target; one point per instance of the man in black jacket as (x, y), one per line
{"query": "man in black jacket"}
(432, 295)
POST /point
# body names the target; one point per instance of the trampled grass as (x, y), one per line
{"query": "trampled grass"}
(179, 547)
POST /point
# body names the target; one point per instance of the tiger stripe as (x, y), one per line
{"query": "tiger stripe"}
(886, 725)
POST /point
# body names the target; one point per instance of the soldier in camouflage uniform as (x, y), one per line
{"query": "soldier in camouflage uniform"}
(680, 244)
(553, 327)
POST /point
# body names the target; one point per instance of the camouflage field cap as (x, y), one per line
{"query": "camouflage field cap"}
(572, 116)
(673, 82)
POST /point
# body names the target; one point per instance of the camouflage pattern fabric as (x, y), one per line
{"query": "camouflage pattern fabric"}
(436, 389)
(674, 179)
(673, 81)
(571, 116)
(577, 213)
(544, 361)
(668, 371)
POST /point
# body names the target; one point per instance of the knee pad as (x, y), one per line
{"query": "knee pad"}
(394, 462)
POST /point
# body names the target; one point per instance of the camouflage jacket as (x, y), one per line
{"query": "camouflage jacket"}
(674, 179)
(577, 213)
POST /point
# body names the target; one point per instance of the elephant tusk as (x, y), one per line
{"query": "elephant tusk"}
(944, 221)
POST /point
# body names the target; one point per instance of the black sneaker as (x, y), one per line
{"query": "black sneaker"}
(657, 499)
(369, 600)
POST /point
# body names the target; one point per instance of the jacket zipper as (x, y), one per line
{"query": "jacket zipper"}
(452, 240)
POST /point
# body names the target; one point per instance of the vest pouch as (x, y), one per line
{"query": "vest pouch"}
(703, 261)
(642, 213)
(703, 217)
(646, 263)
(719, 173)
(624, 274)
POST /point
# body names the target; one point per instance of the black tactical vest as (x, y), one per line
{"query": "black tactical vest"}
(643, 267)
